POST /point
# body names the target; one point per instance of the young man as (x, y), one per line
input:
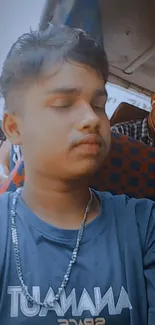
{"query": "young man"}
(69, 255)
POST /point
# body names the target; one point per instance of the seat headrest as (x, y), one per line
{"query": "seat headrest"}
(127, 112)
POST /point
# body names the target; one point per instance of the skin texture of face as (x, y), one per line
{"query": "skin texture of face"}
(63, 128)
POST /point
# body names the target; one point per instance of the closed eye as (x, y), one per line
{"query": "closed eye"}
(60, 103)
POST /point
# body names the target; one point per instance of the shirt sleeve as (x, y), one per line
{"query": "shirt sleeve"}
(118, 128)
(149, 267)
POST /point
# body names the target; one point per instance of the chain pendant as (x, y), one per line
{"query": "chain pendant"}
(73, 259)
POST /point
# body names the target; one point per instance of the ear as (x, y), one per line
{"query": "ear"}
(11, 128)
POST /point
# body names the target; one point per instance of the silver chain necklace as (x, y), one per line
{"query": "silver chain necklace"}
(73, 259)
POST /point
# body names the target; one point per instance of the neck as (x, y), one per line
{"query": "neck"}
(58, 202)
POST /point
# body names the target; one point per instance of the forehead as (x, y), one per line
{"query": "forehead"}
(67, 76)
(74, 75)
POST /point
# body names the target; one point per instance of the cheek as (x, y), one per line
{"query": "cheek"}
(153, 114)
(106, 133)
(44, 125)
(105, 127)
(47, 136)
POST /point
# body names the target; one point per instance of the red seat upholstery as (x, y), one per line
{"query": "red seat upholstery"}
(128, 169)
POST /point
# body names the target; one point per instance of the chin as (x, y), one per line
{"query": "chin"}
(86, 169)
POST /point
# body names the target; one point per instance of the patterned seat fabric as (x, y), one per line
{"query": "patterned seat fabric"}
(128, 169)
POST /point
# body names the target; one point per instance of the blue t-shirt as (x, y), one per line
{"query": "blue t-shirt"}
(112, 282)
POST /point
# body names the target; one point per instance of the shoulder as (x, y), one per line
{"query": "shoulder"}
(141, 209)
(4, 204)
(4, 224)
(4, 213)
(137, 214)
(4, 201)
(126, 124)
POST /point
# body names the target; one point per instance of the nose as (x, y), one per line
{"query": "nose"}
(89, 122)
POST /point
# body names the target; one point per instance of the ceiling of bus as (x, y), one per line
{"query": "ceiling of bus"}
(129, 38)
(16, 17)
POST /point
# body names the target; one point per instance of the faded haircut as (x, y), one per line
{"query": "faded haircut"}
(32, 52)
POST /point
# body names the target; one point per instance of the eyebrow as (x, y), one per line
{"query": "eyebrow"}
(67, 91)
(64, 91)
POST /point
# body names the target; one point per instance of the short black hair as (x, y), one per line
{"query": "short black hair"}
(29, 54)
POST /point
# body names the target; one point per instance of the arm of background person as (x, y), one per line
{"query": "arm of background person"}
(5, 150)
(118, 128)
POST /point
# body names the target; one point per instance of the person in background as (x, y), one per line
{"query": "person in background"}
(140, 130)
(5, 151)
(2, 135)
(9, 156)
(68, 254)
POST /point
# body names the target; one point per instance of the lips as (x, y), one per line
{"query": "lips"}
(89, 144)
(91, 139)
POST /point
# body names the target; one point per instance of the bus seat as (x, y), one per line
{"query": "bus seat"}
(127, 112)
(128, 169)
